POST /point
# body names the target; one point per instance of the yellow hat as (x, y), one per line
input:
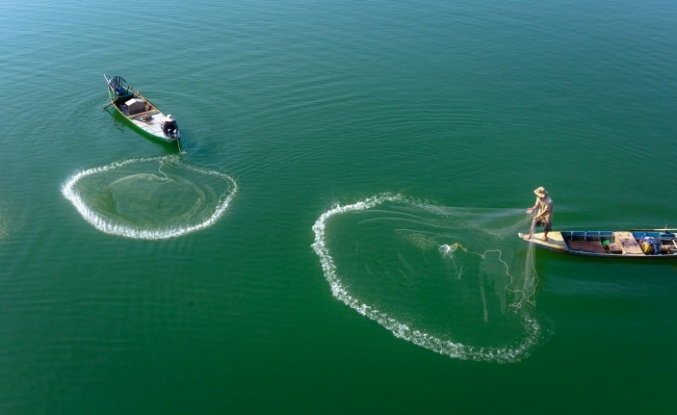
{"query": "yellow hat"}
(540, 192)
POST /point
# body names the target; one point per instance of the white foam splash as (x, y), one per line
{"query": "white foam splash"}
(106, 226)
(517, 351)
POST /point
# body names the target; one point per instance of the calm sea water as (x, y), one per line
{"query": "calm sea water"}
(292, 259)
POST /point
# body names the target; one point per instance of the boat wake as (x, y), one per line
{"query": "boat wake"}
(150, 198)
(450, 280)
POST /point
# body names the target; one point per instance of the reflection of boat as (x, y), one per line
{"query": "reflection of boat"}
(653, 243)
(140, 112)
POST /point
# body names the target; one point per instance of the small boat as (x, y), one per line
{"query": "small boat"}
(140, 112)
(650, 243)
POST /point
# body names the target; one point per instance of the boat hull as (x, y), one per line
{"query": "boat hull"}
(608, 244)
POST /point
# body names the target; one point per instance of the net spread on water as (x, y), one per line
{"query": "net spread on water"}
(150, 198)
(453, 280)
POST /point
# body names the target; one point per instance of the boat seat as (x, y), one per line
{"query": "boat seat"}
(145, 113)
(628, 242)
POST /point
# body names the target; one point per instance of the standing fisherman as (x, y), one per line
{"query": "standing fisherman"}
(544, 214)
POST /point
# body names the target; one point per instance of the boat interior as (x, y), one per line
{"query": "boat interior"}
(130, 102)
(137, 107)
(625, 242)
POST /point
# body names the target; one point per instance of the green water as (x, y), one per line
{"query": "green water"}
(292, 259)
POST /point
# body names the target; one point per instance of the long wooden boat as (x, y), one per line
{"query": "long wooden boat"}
(139, 111)
(646, 244)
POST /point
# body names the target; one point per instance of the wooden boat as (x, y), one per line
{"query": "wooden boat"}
(139, 111)
(650, 243)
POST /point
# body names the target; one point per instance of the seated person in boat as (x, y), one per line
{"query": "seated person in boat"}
(170, 127)
(544, 214)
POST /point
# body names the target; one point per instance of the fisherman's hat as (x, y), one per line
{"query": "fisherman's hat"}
(540, 192)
